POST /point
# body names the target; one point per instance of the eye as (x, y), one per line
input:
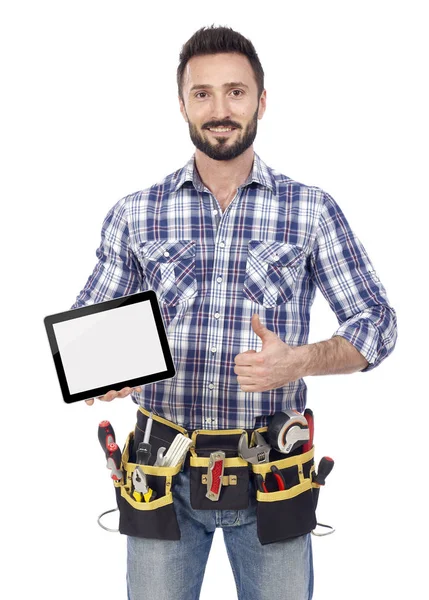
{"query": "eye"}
(237, 93)
(198, 94)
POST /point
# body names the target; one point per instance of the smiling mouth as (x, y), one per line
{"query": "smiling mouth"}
(221, 130)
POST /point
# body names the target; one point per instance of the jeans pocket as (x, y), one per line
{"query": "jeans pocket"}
(169, 269)
(271, 272)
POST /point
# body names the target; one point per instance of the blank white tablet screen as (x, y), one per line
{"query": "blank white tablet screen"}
(110, 346)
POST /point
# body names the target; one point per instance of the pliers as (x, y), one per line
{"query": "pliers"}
(142, 492)
(280, 480)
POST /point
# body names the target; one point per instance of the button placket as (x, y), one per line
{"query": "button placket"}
(220, 264)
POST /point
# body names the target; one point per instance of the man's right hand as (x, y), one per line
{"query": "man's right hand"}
(114, 394)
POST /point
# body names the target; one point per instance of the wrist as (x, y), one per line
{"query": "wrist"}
(304, 356)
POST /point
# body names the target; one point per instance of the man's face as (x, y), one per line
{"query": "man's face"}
(221, 104)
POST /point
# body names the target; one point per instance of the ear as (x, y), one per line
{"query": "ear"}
(183, 109)
(262, 104)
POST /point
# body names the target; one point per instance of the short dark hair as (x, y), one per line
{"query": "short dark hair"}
(212, 40)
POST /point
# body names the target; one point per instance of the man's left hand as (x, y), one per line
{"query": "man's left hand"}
(276, 365)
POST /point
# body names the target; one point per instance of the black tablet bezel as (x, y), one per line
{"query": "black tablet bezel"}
(149, 295)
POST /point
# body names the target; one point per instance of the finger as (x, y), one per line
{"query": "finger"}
(109, 396)
(243, 370)
(245, 381)
(90, 402)
(248, 388)
(247, 359)
(124, 392)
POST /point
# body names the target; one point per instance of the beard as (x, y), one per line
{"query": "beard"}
(220, 149)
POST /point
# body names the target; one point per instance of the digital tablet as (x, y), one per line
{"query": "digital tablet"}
(109, 345)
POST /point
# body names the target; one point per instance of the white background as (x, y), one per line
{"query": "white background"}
(90, 114)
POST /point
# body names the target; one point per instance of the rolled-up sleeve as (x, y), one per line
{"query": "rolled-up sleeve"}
(343, 272)
(117, 272)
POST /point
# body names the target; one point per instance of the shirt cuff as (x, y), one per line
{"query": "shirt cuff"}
(364, 336)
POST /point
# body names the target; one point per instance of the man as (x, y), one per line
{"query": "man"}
(235, 251)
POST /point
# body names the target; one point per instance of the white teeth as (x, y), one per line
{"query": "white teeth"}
(221, 129)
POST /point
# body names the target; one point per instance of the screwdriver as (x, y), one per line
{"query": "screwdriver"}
(106, 436)
(326, 465)
(114, 461)
(144, 449)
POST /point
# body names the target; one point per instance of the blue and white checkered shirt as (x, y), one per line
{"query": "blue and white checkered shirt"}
(275, 243)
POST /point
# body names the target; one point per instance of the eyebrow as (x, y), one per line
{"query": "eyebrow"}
(231, 84)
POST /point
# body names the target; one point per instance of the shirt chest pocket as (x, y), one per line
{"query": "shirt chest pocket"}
(271, 272)
(169, 268)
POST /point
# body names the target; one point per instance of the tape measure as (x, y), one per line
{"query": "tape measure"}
(288, 430)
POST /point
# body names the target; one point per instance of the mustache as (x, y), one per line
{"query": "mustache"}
(222, 124)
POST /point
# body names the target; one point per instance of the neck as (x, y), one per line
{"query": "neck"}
(223, 177)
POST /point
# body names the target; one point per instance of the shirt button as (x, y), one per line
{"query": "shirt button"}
(211, 386)
(276, 256)
(219, 279)
(215, 212)
(213, 349)
(216, 315)
(222, 244)
(166, 253)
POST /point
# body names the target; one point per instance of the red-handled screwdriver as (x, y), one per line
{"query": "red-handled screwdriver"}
(106, 435)
(326, 465)
(114, 461)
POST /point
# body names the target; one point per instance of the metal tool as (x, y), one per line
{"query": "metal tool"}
(215, 474)
(160, 457)
(256, 454)
(142, 492)
(144, 450)
(177, 451)
(326, 465)
(288, 430)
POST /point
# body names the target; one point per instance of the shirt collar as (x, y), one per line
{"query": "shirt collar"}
(260, 173)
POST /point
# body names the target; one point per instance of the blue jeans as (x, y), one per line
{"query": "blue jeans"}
(174, 570)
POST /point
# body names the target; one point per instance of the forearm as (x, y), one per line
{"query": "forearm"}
(336, 356)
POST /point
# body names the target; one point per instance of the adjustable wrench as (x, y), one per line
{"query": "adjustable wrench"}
(256, 454)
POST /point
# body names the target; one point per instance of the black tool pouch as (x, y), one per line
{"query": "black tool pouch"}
(155, 519)
(290, 512)
(234, 491)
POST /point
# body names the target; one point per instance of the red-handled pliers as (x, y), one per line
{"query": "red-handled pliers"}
(260, 483)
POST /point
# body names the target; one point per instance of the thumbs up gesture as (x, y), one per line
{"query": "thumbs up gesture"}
(276, 365)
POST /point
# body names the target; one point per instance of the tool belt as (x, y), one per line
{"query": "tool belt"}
(280, 514)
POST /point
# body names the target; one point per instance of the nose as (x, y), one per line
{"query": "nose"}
(220, 108)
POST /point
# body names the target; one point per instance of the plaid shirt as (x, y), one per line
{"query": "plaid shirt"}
(275, 243)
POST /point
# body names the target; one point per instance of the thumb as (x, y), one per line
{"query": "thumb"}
(260, 330)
